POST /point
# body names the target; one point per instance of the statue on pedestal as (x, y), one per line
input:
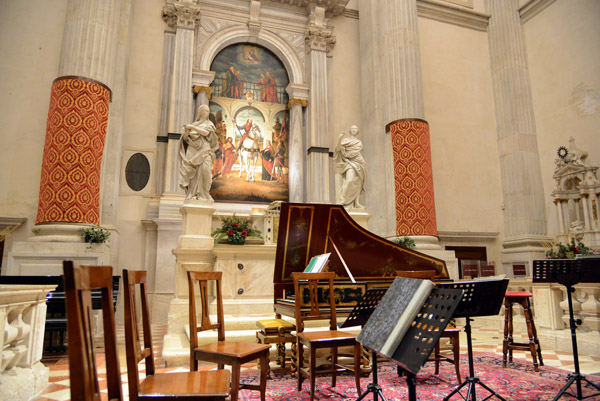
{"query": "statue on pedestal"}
(197, 148)
(350, 170)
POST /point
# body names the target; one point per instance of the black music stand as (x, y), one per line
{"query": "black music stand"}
(420, 339)
(358, 317)
(480, 298)
(569, 272)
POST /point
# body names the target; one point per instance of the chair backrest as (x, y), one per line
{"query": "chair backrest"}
(204, 280)
(79, 281)
(423, 274)
(134, 351)
(327, 293)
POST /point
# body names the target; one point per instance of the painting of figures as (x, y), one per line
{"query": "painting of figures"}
(248, 109)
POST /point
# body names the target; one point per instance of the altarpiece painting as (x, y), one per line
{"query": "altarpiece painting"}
(248, 108)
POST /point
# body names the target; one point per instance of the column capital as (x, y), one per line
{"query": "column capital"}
(319, 35)
(181, 13)
(205, 89)
(295, 101)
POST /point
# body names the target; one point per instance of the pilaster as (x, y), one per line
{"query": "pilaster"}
(183, 16)
(319, 40)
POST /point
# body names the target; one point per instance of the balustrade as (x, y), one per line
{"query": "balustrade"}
(22, 319)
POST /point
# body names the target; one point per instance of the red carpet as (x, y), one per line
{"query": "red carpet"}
(517, 382)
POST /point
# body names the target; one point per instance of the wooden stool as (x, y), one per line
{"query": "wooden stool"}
(508, 345)
(279, 332)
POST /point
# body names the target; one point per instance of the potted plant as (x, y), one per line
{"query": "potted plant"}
(236, 229)
(569, 251)
(94, 235)
(405, 242)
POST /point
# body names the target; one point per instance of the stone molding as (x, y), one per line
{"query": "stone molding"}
(452, 14)
(533, 8)
(297, 92)
(181, 14)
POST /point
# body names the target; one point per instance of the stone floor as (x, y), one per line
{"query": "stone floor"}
(484, 340)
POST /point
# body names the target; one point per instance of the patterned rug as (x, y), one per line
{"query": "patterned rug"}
(517, 382)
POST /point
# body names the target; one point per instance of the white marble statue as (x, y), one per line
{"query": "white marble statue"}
(350, 170)
(196, 153)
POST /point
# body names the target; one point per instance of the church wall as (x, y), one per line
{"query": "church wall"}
(459, 107)
(30, 45)
(564, 60)
(141, 122)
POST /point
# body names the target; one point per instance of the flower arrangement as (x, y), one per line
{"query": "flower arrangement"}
(405, 242)
(94, 235)
(236, 229)
(569, 251)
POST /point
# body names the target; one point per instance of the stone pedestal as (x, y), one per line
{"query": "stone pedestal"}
(194, 252)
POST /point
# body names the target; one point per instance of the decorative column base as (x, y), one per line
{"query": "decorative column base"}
(523, 251)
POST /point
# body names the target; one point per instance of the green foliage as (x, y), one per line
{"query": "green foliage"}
(94, 235)
(405, 242)
(236, 229)
(562, 251)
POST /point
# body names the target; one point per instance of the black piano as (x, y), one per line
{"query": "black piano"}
(306, 230)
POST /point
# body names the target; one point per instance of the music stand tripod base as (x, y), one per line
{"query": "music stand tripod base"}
(569, 272)
(480, 298)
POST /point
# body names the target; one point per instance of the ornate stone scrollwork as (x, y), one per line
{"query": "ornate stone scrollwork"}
(181, 14)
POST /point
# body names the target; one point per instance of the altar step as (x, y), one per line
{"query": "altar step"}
(176, 347)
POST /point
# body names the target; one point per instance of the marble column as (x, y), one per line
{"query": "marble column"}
(183, 16)
(78, 117)
(298, 100)
(523, 193)
(391, 80)
(319, 40)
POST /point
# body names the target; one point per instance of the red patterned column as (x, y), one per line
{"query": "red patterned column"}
(413, 176)
(75, 134)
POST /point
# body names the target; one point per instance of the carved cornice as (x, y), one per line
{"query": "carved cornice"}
(181, 14)
(332, 7)
(533, 8)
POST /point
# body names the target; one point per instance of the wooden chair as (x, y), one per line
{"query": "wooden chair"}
(222, 352)
(83, 373)
(452, 334)
(213, 385)
(315, 340)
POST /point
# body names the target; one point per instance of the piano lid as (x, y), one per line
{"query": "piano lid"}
(306, 230)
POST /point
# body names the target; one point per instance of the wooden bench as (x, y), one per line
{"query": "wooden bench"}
(56, 312)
